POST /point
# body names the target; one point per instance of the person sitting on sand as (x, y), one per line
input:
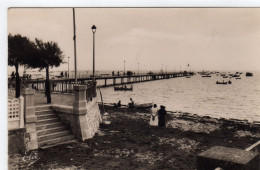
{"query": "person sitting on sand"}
(119, 103)
(162, 113)
(131, 103)
(154, 116)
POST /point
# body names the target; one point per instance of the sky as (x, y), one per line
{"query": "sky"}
(156, 38)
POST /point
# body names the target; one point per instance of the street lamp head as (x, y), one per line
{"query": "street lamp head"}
(94, 28)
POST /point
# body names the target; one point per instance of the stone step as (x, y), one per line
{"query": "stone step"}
(47, 116)
(43, 107)
(44, 112)
(51, 130)
(47, 121)
(49, 126)
(55, 141)
(53, 135)
(60, 143)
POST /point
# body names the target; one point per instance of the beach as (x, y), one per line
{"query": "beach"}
(129, 142)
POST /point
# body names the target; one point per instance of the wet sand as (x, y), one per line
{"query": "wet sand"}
(130, 143)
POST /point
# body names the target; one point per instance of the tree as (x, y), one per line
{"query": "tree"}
(19, 48)
(46, 55)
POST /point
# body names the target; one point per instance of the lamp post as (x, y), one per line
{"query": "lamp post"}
(138, 68)
(162, 68)
(94, 28)
(124, 67)
(68, 67)
(75, 51)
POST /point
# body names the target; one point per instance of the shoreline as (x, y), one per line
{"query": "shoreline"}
(68, 98)
(180, 114)
(129, 141)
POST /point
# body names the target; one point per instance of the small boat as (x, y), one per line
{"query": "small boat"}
(248, 74)
(123, 88)
(221, 82)
(206, 75)
(143, 106)
(236, 75)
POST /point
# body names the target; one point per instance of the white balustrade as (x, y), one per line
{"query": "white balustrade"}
(15, 113)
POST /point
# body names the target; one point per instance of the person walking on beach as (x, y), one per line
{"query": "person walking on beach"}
(154, 116)
(162, 113)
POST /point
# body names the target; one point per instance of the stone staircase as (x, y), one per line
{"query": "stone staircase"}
(50, 130)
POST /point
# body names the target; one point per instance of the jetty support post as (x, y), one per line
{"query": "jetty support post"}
(114, 81)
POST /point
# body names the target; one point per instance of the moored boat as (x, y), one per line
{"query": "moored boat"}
(248, 74)
(221, 82)
(228, 82)
(236, 75)
(123, 88)
(144, 105)
(206, 75)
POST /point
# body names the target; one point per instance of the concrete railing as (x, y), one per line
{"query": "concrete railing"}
(255, 147)
(16, 113)
(84, 116)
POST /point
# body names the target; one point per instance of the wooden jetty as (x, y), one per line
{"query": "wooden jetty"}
(65, 85)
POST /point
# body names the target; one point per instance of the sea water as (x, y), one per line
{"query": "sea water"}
(197, 95)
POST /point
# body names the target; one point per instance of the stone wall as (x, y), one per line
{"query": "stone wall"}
(65, 113)
(84, 125)
(93, 118)
(16, 142)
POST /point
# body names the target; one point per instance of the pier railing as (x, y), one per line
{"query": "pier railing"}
(64, 85)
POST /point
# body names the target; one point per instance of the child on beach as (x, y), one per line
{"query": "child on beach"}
(154, 116)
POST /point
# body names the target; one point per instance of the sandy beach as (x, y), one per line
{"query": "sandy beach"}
(130, 143)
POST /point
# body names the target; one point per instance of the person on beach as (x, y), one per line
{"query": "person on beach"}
(119, 103)
(162, 113)
(154, 116)
(131, 103)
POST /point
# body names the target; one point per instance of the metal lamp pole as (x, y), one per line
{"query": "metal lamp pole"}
(124, 67)
(94, 28)
(75, 54)
(138, 68)
(68, 67)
